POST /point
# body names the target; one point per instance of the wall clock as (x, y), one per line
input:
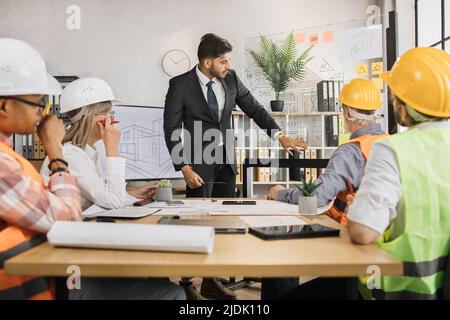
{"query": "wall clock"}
(176, 62)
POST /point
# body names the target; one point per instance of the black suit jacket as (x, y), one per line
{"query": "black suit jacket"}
(185, 104)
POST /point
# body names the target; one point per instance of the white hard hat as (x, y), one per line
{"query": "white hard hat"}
(23, 71)
(83, 92)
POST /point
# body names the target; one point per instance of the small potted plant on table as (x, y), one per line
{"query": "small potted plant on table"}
(164, 191)
(307, 203)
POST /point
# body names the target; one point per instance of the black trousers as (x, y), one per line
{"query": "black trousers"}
(219, 178)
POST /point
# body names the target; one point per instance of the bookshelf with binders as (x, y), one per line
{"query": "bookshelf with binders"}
(259, 145)
(321, 126)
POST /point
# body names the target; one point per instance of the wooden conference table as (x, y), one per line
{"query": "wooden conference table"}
(234, 255)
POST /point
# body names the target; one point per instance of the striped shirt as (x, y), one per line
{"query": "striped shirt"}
(23, 201)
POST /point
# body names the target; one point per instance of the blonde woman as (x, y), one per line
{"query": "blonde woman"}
(88, 104)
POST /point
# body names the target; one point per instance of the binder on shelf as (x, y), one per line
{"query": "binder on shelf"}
(308, 174)
(273, 170)
(259, 170)
(36, 153)
(307, 170)
(302, 170)
(267, 170)
(25, 146)
(322, 96)
(337, 92)
(238, 166)
(41, 150)
(332, 131)
(314, 172)
(31, 146)
(295, 174)
(330, 96)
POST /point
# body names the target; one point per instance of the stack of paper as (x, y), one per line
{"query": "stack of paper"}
(126, 236)
(128, 213)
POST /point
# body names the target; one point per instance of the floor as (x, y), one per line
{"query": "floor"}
(252, 292)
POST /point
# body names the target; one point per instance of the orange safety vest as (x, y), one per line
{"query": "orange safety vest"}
(337, 211)
(15, 240)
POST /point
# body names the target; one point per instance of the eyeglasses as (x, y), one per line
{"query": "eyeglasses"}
(42, 104)
(112, 115)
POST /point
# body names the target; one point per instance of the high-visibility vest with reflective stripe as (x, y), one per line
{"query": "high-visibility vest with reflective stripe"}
(423, 217)
(337, 211)
(15, 240)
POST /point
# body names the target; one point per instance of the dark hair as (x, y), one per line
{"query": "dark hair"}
(212, 46)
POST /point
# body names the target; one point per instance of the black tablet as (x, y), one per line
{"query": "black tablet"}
(239, 202)
(294, 231)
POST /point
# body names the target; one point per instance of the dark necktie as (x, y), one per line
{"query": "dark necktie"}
(212, 101)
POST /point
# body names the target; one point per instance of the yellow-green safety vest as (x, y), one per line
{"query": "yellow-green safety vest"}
(423, 223)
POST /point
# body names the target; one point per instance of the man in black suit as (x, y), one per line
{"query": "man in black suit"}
(202, 100)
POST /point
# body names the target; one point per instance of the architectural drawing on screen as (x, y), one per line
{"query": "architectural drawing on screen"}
(141, 145)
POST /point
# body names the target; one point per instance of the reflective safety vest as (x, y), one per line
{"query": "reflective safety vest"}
(15, 240)
(337, 211)
(422, 225)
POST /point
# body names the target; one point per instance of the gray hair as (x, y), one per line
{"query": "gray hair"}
(361, 117)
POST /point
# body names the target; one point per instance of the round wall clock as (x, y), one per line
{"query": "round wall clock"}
(176, 62)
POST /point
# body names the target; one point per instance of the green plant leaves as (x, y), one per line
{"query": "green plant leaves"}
(165, 183)
(308, 188)
(279, 62)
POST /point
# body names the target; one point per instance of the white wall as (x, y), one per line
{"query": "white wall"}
(124, 41)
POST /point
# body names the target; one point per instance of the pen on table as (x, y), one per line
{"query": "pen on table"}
(156, 211)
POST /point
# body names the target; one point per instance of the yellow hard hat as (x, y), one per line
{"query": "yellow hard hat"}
(361, 94)
(421, 79)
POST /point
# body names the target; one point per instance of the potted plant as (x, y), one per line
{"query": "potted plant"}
(164, 191)
(307, 203)
(280, 64)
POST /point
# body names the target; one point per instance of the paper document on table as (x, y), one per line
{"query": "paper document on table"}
(216, 208)
(270, 221)
(93, 210)
(129, 212)
(165, 205)
(127, 236)
(191, 212)
(263, 207)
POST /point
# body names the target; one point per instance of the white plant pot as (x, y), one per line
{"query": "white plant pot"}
(307, 205)
(163, 194)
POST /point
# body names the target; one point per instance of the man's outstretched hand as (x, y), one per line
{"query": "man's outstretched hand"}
(292, 144)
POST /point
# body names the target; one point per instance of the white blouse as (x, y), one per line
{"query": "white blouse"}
(109, 191)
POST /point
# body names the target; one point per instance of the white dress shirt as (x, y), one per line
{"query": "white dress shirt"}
(218, 89)
(109, 191)
(377, 201)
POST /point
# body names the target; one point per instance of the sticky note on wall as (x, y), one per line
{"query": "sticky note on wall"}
(362, 69)
(313, 39)
(328, 36)
(377, 67)
(300, 37)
